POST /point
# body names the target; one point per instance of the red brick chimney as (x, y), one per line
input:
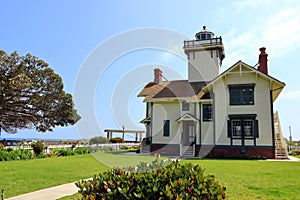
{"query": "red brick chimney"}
(263, 61)
(157, 75)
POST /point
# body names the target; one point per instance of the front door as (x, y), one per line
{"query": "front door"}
(188, 134)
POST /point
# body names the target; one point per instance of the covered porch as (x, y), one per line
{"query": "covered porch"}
(138, 134)
(189, 126)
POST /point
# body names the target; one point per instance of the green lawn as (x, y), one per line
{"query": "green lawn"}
(243, 179)
(20, 177)
(256, 179)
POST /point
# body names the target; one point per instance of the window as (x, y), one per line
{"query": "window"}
(185, 106)
(207, 112)
(203, 36)
(166, 131)
(242, 126)
(236, 128)
(248, 127)
(241, 94)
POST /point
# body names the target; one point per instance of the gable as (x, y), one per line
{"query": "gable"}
(241, 73)
(187, 117)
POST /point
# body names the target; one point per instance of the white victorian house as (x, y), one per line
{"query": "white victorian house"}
(220, 114)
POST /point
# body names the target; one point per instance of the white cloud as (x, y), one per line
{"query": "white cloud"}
(239, 6)
(278, 31)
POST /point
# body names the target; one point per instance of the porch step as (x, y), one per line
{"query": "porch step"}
(187, 151)
(145, 149)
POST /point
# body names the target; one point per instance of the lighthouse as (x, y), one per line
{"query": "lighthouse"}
(205, 54)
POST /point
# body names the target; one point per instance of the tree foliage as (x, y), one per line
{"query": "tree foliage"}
(38, 147)
(32, 95)
(99, 140)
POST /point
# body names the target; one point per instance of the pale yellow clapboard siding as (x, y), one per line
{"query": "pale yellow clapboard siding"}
(207, 133)
(261, 106)
(198, 59)
(166, 111)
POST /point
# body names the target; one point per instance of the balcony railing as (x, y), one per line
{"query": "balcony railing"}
(202, 43)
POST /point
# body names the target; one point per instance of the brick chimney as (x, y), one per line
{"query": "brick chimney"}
(157, 75)
(263, 61)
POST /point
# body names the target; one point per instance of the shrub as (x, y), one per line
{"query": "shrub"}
(93, 149)
(38, 147)
(65, 152)
(99, 140)
(41, 155)
(124, 147)
(157, 180)
(19, 154)
(81, 150)
(116, 140)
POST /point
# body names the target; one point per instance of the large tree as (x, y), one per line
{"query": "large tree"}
(32, 95)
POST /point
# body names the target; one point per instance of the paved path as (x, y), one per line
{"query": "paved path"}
(291, 159)
(48, 193)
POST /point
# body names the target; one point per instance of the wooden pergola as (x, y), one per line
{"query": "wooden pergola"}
(138, 133)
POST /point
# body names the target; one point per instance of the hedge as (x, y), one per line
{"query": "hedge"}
(157, 180)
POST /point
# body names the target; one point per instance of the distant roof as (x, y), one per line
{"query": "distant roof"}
(174, 90)
(123, 131)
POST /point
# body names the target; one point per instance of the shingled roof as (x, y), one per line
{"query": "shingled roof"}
(173, 90)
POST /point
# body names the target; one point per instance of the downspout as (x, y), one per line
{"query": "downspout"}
(195, 131)
(200, 133)
(272, 121)
(195, 128)
(214, 119)
(151, 124)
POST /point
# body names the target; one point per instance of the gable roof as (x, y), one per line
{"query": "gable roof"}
(173, 91)
(241, 67)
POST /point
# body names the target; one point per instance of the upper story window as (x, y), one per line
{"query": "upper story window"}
(241, 94)
(207, 112)
(185, 106)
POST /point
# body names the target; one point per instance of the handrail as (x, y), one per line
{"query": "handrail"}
(207, 42)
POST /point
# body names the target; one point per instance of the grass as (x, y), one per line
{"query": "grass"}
(243, 179)
(20, 177)
(297, 156)
(255, 179)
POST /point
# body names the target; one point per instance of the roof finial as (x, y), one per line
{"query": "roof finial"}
(204, 27)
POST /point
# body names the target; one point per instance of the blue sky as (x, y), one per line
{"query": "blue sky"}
(66, 34)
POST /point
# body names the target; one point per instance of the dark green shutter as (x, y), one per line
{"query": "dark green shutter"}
(166, 128)
(229, 128)
(256, 129)
(205, 112)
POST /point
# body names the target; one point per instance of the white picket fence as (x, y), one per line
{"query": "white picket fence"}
(115, 146)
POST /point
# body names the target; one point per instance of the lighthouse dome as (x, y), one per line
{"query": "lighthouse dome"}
(204, 34)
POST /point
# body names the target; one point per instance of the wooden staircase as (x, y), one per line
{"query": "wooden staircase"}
(145, 146)
(187, 151)
(280, 145)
